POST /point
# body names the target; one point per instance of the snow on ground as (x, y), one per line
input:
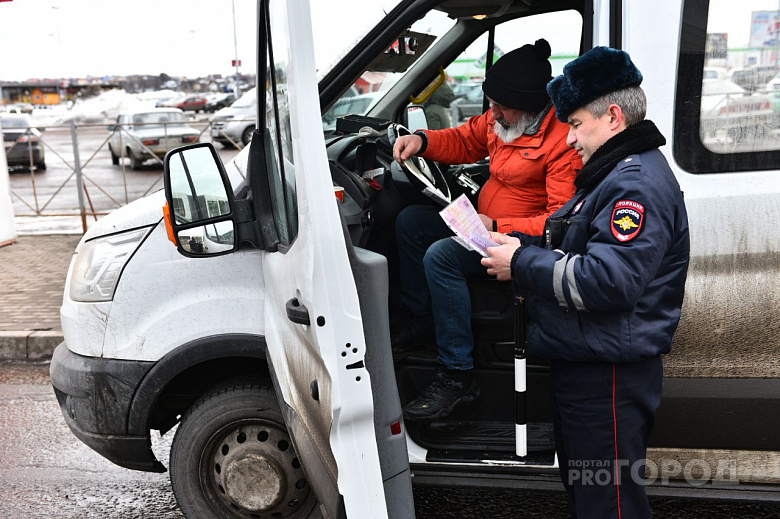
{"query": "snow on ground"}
(100, 109)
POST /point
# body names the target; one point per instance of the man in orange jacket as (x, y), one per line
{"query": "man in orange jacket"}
(532, 172)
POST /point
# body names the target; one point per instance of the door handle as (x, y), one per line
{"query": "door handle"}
(296, 312)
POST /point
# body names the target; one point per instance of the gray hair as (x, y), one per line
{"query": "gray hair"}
(631, 100)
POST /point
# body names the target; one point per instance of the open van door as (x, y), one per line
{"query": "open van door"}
(313, 322)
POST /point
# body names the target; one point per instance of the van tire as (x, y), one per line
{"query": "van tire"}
(230, 436)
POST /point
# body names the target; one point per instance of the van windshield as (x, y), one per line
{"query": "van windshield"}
(353, 19)
(376, 81)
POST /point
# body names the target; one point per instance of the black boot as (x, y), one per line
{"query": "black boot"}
(411, 333)
(442, 396)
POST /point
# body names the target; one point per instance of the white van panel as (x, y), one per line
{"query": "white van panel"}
(729, 213)
(183, 299)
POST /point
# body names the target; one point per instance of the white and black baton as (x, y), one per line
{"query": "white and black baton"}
(521, 431)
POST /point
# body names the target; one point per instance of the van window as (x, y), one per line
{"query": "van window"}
(727, 114)
(562, 30)
(279, 145)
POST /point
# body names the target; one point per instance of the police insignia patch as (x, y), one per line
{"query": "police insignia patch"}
(627, 219)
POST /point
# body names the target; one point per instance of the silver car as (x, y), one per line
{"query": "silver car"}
(234, 124)
(147, 134)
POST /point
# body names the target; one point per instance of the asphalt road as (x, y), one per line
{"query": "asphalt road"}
(48, 200)
(46, 472)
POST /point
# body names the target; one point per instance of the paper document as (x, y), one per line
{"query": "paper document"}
(462, 218)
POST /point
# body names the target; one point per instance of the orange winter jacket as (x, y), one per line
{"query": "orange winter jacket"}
(530, 177)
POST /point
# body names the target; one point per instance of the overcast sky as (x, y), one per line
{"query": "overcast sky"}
(76, 38)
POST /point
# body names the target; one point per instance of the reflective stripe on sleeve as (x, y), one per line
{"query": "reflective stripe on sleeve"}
(576, 298)
(557, 281)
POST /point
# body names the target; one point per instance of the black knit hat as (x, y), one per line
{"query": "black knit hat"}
(518, 79)
(599, 71)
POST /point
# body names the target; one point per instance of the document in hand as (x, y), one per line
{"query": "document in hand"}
(462, 218)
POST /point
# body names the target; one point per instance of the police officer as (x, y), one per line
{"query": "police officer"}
(604, 285)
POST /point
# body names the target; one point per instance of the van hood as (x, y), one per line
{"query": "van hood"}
(140, 213)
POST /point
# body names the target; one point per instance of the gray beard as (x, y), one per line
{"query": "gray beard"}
(513, 131)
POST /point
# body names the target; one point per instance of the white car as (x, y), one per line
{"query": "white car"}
(234, 124)
(151, 133)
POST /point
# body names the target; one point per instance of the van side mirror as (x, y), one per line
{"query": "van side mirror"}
(415, 118)
(200, 212)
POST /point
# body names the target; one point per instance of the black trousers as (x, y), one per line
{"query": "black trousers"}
(603, 415)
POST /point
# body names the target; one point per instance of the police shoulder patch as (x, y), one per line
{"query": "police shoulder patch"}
(627, 219)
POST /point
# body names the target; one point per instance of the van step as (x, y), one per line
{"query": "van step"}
(546, 458)
(493, 437)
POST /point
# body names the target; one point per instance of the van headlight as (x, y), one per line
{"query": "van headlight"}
(99, 264)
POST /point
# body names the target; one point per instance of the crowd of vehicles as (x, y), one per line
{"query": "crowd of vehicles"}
(233, 125)
(251, 314)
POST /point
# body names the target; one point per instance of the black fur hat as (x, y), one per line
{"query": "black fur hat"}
(518, 79)
(599, 71)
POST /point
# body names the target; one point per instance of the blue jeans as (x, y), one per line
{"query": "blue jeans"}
(434, 271)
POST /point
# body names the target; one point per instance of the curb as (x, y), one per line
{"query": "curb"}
(29, 345)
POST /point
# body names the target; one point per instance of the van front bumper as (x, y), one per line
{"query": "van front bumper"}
(95, 395)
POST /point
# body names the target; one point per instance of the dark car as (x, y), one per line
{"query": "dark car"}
(21, 140)
(219, 101)
(192, 104)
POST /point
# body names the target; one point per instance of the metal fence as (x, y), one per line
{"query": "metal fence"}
(64, 170)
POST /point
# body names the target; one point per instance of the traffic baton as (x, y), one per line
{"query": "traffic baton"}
(521, 431)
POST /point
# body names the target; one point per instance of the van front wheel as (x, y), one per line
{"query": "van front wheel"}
(232, 458)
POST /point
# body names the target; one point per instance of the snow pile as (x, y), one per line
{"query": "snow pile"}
(99, 109)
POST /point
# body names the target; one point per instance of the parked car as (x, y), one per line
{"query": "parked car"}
(462, 89)
(715, 73)
(142, 135)
(731, 109)
(20, 139)
(355, 105)
(17, 108)
(192, 104)
(234, 124)
(220, 101)
(468, 105)
(168, 102)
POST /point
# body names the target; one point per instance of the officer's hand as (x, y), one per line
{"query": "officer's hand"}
(499, 258)
(406, 147)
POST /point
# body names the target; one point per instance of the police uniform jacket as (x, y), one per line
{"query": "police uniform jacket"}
(606, 281)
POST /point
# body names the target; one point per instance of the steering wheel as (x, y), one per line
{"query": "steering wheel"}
(422, 173)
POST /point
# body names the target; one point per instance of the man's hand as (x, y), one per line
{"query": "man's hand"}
(499, 258)
(486, 221)
(406, 147)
